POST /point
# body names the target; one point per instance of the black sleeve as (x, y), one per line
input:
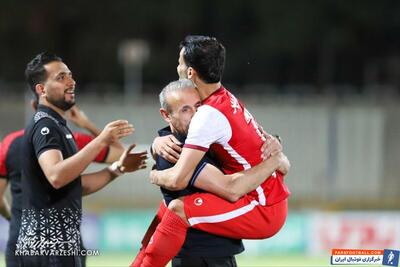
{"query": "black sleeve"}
(162, 164)
(46, 136)
(203, 162)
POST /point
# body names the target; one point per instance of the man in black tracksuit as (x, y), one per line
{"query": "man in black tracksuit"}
(179, 101)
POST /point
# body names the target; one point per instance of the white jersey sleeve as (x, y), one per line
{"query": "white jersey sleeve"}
(208, 126)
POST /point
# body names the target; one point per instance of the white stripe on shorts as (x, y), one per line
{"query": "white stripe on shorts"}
(224, 216)
(261, 196)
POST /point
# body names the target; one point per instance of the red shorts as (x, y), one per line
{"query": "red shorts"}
(243, 219)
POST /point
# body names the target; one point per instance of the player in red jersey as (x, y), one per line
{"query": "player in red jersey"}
(179, 101)
(223, 126)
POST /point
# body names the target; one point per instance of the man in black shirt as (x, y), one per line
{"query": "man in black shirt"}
(52, 183)
(10, 171)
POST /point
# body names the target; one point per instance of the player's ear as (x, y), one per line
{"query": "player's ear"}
(190, 72)
(39, 88)
(165, 115)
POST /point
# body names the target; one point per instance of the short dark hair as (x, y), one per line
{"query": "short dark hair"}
(35, 72)
(206, 55)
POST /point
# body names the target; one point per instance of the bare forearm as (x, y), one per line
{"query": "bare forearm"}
(214, 181)
(65, 171)
(93, 182)
(169, 179)
(177, 177)
(233, 186)
(114, 152)
(246, 181)
(5, 209)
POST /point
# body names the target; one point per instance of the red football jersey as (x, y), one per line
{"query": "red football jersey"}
(223, 125)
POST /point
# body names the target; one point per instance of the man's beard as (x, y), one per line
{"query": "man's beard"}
(61, 103)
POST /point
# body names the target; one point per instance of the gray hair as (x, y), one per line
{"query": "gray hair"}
(174, 86)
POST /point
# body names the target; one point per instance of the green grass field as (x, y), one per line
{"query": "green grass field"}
(123, 260)
(243, 261)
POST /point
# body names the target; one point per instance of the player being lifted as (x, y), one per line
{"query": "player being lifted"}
(224, 127)
(179, 101)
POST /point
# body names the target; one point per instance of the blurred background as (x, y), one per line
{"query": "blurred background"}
(324, 75)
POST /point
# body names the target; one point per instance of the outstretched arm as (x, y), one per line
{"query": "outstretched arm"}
(128, 162)
(60, 172)
(4, 207)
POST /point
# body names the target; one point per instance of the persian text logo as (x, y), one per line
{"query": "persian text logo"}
(356, 257)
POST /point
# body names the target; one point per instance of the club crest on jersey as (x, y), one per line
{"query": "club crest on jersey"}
(198, 201)
(45, 131)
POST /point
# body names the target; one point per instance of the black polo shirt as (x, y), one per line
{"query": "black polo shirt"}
(197, 243)
(51, 218)
(10, 169)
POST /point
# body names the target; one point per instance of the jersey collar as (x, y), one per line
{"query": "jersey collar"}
(52, 113)
(215, 92)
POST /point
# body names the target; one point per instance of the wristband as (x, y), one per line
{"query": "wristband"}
(115, 169)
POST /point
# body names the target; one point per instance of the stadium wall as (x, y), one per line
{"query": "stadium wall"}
(343, 156)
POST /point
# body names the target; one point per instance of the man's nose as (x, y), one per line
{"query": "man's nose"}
(193, 111)
(71, 81)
